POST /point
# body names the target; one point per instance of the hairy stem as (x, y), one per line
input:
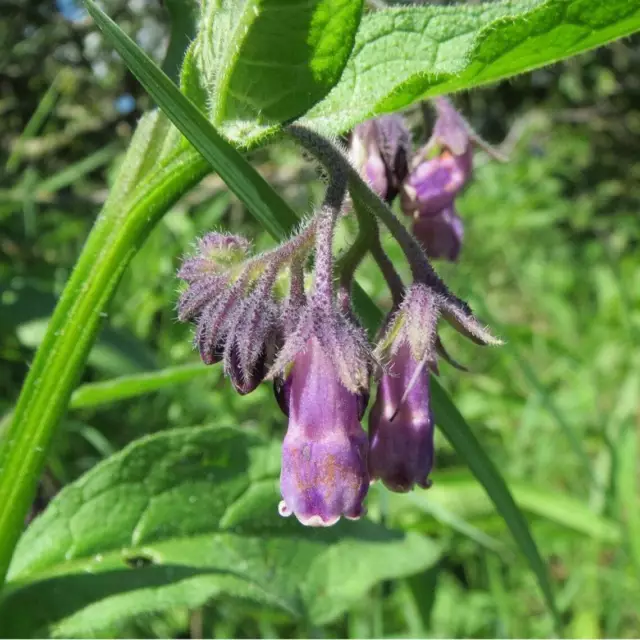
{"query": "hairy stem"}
(326, 222)
(334, 158)
(297, 297)
(391, 276)
(369, 238)
(349, 261)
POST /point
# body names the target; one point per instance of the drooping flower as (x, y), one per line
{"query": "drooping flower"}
(439, 173)
(401, 421)
(324, 455)
(434, 183)
(401, 425)
(380, 149)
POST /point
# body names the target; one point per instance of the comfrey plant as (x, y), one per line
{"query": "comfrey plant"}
(191, 510)
(310, 342)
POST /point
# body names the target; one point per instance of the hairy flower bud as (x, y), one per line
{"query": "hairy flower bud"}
(440, 234)
(414, 323)
(380, 148)
(401, 427)
(324, 455)
(216, 254)
(252, 341)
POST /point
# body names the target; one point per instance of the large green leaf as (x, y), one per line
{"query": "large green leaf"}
(181, 517)
(403, 55)
(268, 61)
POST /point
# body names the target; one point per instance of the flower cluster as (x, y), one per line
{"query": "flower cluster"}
(262, 319)
(429, 181)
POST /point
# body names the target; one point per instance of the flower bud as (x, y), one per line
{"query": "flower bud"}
(440, 234)
(200, 294)
(450, 130)
(216, 254)
(380, 149)
(414, 323)
(244, 382)
(401, 426)
(324, 455)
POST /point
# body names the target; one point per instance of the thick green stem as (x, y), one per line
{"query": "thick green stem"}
(59, 361)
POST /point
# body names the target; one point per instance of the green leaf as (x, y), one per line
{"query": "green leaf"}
(183, 17)
(404, 55)
(185, 516)
(246, 183)
(268, 61)
(464, 498)
(95, 394)
(469, 449)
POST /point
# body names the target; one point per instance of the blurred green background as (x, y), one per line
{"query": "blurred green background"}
(550, 260)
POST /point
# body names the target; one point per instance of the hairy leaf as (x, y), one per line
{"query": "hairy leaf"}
(404, 55)
(267, 61)
(182, 517)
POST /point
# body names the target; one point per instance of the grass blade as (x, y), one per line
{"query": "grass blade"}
(469, 449)
(95, 394)
(451, 519)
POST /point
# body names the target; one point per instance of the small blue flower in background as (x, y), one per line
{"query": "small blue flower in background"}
(125, 103)
(71, 10)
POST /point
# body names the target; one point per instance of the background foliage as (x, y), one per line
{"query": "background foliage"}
(550, 259)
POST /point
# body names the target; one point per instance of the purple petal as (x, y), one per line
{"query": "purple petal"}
(401, 435)
(441, 235)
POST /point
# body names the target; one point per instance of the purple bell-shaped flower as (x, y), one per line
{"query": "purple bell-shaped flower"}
(324, 455)
(440, 234)
(401, 425)
(429, 192)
